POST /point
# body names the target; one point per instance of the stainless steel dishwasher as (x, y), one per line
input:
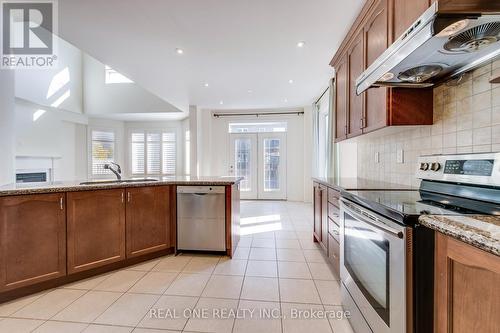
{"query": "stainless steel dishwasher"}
(201, 218)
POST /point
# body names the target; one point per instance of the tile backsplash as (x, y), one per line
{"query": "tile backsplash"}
(466, 120)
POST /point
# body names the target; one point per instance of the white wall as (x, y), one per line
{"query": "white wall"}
(308, 154)
(52, 134)
(104, 99)
(7, 130)
(213, 149)
(39, 85)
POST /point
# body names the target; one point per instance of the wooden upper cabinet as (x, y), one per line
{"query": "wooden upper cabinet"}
(341, 100)
(467, 288)
(376, 40)
(96, 228)
(376, 108)
(406, 12)
(355, 56)
(148, 220)
(32, 239)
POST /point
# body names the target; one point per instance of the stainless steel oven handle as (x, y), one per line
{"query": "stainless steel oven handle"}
(370, 219)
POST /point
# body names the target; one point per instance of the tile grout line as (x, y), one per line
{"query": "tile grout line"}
(241, 291)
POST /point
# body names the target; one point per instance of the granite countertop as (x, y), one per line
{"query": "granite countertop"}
(359, 184)
(481, 231)
(102, 184)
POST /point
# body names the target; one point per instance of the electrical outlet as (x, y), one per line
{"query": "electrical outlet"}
(377, 157)
(400, 156)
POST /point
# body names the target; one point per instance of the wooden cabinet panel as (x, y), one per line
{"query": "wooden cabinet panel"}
(333, 196)
(341, 85)
(467, 288)
(405, 13)
(355, 55)
(376, 40)
(317, 212)
(334, 229)
(32, 239)
(147, 220)
(334, 254)
(324, 217)
(96, 228)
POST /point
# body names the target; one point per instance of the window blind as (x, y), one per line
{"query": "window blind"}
(153, 153)
(103, 151)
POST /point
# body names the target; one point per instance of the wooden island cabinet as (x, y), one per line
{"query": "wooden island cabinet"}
(32, 239)
(148, 219)
(49, 239)
(467, 288)
(96, 228)
(378, 25)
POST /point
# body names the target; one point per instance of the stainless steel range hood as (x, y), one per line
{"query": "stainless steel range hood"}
(440, 45)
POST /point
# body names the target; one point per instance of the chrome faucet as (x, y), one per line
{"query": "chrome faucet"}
(115, 168)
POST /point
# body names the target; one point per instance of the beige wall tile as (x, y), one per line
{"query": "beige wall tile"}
(481, 136)
(466, 120)
(464, 138)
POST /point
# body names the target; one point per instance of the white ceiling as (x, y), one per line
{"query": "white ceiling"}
(233, 45)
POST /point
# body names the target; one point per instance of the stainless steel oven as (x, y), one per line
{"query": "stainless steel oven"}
(375, 269)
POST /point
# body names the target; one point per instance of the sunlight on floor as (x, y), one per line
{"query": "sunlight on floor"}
(257, 224)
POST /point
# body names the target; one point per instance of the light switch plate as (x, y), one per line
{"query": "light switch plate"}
(400, 156)
(377, 157)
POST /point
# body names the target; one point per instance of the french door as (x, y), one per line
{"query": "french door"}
(260, 158)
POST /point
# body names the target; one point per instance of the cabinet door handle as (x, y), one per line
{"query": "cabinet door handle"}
(61, 203)
(123, 197)
(128, 196)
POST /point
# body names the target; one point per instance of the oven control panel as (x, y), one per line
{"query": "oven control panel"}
(483, 168)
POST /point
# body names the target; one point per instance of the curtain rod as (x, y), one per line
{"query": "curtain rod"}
(257, 114)
(321, 96)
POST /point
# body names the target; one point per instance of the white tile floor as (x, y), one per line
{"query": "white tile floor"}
(277, 270)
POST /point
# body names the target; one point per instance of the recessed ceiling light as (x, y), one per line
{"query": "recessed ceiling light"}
(290, 81)
(301, 44)
(285, 100)
(206, 84)
(221, 102)
(179, 51)
(249, 91)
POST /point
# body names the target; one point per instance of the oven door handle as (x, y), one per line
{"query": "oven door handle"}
(371, 220)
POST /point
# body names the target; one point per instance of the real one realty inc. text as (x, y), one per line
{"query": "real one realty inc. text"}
(260, 313)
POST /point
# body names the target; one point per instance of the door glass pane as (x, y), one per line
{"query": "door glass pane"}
(242, 162)
(366, 258)
(271, 164)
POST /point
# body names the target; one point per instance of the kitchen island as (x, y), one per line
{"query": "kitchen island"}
(55, 233)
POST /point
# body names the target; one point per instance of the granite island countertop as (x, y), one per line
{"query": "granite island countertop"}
(103, 184)
(481, 231)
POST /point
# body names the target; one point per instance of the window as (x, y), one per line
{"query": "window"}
(153, 153)
(103, 151)
(113, 76)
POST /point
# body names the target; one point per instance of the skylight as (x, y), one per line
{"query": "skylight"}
(112, 76)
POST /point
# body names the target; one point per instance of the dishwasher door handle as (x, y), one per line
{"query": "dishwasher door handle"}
(200, 193)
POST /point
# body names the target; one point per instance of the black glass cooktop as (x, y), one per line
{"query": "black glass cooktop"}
(406, 206)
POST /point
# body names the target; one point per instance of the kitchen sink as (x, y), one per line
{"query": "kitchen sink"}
(122, 181)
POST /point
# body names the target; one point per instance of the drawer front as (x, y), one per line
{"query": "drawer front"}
(333, 212)
(334, 230)
(334, 254)
(333, 196)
